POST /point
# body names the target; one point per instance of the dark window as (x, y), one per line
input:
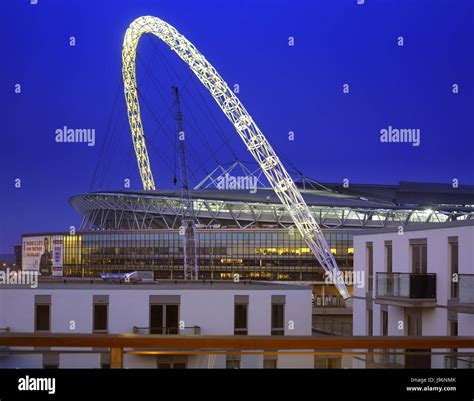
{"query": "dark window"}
(370, 266)
(232, 362)
(240, 319)
(419, 259)
(164, 366)
(172, 319)
(277, 319)
(269, 363)
(180, 365)
(42, 317)
(454, 270)
(370, 322)
(388, 249)
(100, 318)
(384, 323)
(156, 319)
(164, 319)
(454, 327)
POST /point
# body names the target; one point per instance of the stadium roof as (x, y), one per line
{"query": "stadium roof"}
(333, 206)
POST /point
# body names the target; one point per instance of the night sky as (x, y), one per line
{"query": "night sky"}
(285, 88)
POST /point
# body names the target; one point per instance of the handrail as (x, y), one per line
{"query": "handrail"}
(233, 342)
(168, 330)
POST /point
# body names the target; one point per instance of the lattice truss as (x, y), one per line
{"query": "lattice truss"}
(245, 126)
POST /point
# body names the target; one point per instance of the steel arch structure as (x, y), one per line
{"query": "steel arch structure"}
(253, 138)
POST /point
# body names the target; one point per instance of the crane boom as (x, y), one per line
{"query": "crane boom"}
(187, 230)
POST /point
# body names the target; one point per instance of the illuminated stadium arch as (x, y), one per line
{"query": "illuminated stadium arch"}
(253, 138)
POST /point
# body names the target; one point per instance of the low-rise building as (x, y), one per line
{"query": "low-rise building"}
(76, 306)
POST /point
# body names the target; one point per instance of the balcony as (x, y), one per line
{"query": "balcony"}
(334, 327)
(465, 289)
(196, 330)
(406, 289)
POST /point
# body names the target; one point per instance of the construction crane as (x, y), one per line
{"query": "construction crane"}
(187, 231)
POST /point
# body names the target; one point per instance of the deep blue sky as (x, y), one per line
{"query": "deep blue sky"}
(284, 88)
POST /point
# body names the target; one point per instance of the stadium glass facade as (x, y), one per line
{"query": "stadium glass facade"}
(259, 254)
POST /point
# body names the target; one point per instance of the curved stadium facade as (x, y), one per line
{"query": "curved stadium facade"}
(239, 232)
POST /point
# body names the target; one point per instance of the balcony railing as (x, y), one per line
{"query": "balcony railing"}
(333, 301)
(459, 362)
(406, 285)
(466, 289)
(167, 330)
(120, 344)
(335, 327)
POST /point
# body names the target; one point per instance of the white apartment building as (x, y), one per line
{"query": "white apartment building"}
(419, 281)
(184, 308)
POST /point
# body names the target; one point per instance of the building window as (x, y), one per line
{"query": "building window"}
(100, 318)
(370, 264)
(454, 266)
(419, 256)
(42, 313)
(241, 314)
(51, 360)
(232, 362)
(100, 313)
(453, 331)
(370, 322)
(164, 314)
(270, 362)
(388, 257)
(278, 315)
(384, 319)
(42, 317)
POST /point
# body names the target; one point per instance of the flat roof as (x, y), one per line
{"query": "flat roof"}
(415, 227)
(71, 283)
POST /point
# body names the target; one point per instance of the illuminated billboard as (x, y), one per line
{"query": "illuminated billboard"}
(43, 254)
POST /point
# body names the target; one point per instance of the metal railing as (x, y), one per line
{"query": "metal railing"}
(406, 285)
(461, 361)
(167, 330)
(334, 301)
(335, 327)
(119, 344)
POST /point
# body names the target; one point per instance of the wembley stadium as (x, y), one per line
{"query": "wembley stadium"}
(238, 232)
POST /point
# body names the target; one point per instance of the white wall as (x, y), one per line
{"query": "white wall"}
(435, 320)
(211, 309)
